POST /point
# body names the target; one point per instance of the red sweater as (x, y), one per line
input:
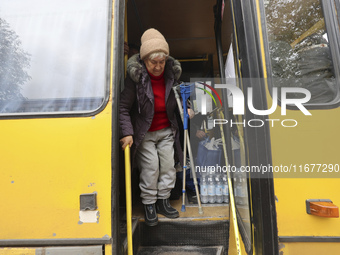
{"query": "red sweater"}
(160, 118)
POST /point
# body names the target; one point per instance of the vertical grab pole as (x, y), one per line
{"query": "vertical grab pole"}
(128, 199)
(218, 10)
(127, 163)
(231, 190)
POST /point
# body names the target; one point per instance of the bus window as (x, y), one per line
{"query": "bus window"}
(336, 7)
(299, 48)
(52, 56)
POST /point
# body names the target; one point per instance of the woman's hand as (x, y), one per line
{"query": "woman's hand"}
(200, 134)
(127, 140)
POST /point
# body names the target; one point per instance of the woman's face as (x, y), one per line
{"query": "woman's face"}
(155, 66)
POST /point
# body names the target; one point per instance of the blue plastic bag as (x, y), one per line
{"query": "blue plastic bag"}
(206, 157)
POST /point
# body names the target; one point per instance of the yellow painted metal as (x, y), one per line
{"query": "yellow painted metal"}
(108, 249)
(265, 75)
(47, 164)
(313, 141)
(309, 248)
(259, 23)
(234, 28)
(291, 208)
(128, 199)
(231, 192)
(232, 248)
(17, 251)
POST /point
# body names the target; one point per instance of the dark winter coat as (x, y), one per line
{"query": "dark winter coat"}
(137, 102)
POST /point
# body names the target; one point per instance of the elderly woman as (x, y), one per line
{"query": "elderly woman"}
(148, 122)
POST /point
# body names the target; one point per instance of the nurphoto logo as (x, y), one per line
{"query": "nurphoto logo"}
(238, 105)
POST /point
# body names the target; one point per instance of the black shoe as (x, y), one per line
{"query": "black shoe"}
(151, 218)
(163, 207)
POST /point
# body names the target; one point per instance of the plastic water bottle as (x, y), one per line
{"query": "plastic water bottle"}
(241, 190)
(204, 189)
(244, 189)
(225, 189)
(211, 189)
(218, 190)
(238, 193)
(237, 187)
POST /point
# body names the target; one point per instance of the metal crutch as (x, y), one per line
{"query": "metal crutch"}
(188, 146)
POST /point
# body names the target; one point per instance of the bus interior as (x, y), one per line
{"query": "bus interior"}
(199, 35)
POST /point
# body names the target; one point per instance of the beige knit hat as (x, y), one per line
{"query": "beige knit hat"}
(153, 41)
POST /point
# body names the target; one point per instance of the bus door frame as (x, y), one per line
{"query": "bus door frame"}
(248, 31)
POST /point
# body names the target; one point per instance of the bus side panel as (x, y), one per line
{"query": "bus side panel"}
(46, 165)
(309, 248)
(300, 149)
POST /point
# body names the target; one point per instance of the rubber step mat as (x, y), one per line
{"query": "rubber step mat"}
(180, 250)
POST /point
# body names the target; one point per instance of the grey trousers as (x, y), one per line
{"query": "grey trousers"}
(155, 160)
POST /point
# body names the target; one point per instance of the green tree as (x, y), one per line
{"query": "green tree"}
(14, 62)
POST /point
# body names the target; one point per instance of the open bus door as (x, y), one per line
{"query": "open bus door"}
(254, 196)
(282, 44)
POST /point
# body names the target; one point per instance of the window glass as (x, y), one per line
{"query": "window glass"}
(299, 48)
(337, 8)
(207, 136)
(53, 55)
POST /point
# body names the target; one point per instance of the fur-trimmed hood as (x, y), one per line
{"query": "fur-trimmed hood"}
(136, 108)
(135, 67)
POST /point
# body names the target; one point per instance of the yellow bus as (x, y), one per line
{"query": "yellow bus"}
(62, 168)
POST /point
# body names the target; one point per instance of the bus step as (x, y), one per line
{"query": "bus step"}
(180, 250)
